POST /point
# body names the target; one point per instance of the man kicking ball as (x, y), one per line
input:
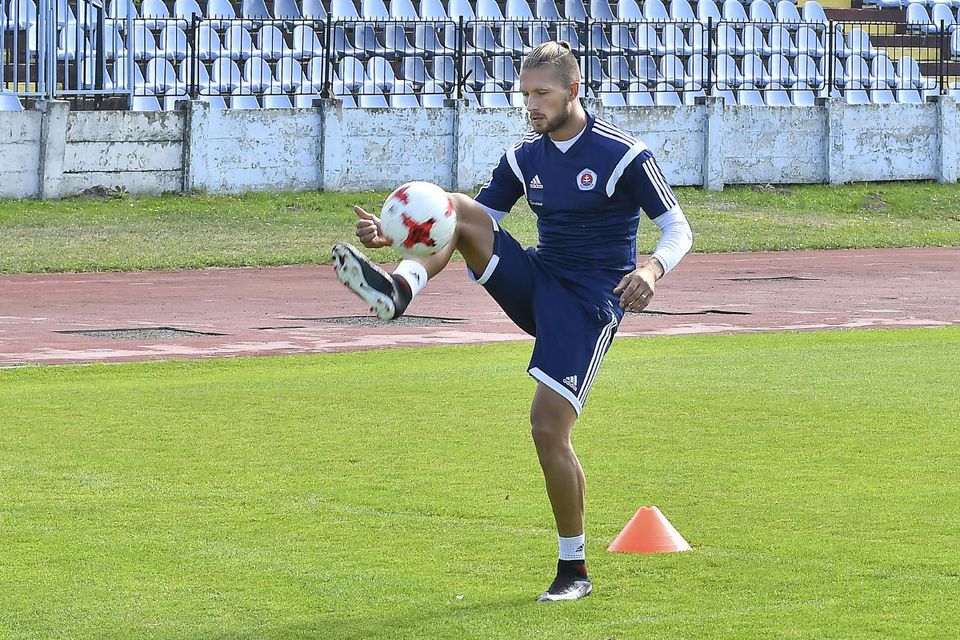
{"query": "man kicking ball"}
(587, 181)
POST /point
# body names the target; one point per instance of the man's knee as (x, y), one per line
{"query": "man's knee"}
(551, 419)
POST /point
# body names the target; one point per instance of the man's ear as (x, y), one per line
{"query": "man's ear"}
(574, 91)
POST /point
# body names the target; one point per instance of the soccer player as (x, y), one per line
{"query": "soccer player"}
(587, 181)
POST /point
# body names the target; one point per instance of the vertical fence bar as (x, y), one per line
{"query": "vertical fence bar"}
(460, 61)
(710, 56)
(941, 64)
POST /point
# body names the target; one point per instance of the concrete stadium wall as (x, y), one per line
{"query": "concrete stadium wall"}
(55, 153)
(20, 152)
(141, 151)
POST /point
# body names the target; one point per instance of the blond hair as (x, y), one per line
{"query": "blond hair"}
(556, 54)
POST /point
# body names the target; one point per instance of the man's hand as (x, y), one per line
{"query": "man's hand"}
(636, 288)
(369, 230)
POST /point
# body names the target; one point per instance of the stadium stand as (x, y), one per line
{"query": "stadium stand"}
(405, 51)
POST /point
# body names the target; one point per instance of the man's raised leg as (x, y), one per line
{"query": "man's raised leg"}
(389, 294)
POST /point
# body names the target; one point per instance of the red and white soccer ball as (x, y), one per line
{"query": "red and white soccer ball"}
(418, 218)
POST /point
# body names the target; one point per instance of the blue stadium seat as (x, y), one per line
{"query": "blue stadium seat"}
(374, 10)
(257, 75)
(777, 97)
(186, 9)
(639, 96)
(289, 76)
(674, 41)
(787, 12)
(145, 103)
(343, 10)
(239, 44)
(271, 43)
(728, 41)
(518, 10)
(547, 10)
(225, 75)
(809, 43)
(610, 95)
(681, 11)
(909, 75)
(574, 10)
(618, 69)
(304, 100)
(882, 96)
(314, 10)
(380, 74)
(655, 11)
(240, 100)
(504, 72)
(209, 46)
(666, 95)
(369, 100)
(760, 11)
(942, 18)
(629, 10)
(120, 75)
(857, 72)
(403, 100)
(144, 44)
(750, 97)
(733, 11)
(909, 96)
(476, 72)
(414, 72)
(918, 19)
(155, 13)
(172, 43)
(646, 70)
(488, 10)
(403, 10)
(600, 10)
(755, 74)
(161, 76)
(802, 96)
(698, 69)
(672, 71)
(351, 75)
(306, 44)
(859, 43)
(185, 76)
(781, 41)
(781, 72)
(707, 10)
(754, 40)
(692, 91)
(254, 11)
(286, 10)
(276, 101)
(215, 101)
(9, 101)
(813, 12)
(117, 12)
(432, 10)
(727, 75)
(882, 72)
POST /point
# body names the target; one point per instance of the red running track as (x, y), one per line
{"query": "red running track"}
(274, 310)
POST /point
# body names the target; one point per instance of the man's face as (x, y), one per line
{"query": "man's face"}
(547, 99)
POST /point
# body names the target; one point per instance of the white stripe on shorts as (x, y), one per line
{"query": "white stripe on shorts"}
(603, 342)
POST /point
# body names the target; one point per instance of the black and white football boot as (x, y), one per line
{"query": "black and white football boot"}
(387, 295)
(568, 585)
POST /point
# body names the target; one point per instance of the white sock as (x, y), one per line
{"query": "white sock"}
(572, 548)
(414, 273)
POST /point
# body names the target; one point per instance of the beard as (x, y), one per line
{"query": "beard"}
(548, 125)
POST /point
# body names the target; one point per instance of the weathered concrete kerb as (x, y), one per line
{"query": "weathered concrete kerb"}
(232, 312)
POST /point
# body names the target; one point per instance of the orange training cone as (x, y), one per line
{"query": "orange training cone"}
(649, 531)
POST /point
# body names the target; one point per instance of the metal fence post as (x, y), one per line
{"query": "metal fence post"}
(710, 60)
(460, 61)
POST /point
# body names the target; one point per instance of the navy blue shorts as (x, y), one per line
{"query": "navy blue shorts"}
(572, 334)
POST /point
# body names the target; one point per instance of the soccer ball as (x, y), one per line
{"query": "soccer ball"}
(418, 219)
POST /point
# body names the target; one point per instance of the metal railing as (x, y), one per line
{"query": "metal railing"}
(73, 48)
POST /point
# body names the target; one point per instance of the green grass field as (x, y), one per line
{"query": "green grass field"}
(262, 229)
(365, 495)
